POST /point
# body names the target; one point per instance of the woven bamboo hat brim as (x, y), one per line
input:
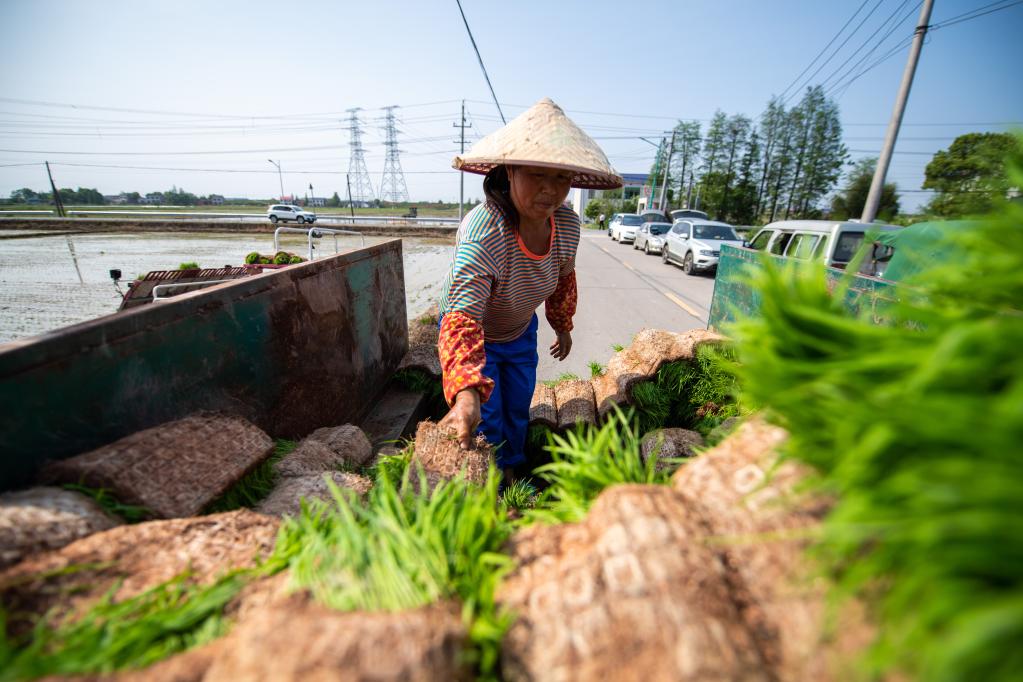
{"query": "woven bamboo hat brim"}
(543, 136)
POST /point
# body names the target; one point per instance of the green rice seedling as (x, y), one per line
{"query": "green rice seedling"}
(404, 547)
(420, 382)
(596, 369)
(131, 633)
(617, 347)
(130, 513)
(587, 460)
(652, 406)
(565, 376)
(190, 265)
(255, 485)
(389, 468)
(915, 427)
(520, 495)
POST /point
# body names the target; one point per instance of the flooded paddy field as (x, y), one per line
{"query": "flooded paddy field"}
(51, 281)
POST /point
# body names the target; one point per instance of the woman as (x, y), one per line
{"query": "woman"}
(515, 251)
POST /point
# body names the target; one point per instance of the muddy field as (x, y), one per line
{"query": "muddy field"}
(51, 281)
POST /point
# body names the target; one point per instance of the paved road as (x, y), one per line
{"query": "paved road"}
(622, 291)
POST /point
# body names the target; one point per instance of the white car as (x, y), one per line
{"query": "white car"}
(650, 237)
(696, 244)
(287, 212)
(623, 227)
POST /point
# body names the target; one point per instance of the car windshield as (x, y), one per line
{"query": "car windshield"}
(632, 220)
(716, 232)
(659, 228)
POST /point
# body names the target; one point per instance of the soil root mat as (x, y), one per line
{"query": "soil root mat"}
(286, 497)
(39, 519)
(672, 443)
(437, 451)
(135, 558)
(575, 403)
(174, 470)
(543, 409)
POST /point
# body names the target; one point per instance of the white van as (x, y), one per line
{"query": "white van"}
(834, 242)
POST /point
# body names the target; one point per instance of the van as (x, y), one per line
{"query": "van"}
(834, 242)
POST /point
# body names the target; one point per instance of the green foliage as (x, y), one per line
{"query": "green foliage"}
(131, 633)
(850, 201)
(520, 495)
(403, 548)
(971, 175)
(104, 498)
(252, 258)
(190, 265)
(420, 382)
(915, 429)
(255, 485)
(564, 376)
(596, 369)
(617, 347)
(587, 460)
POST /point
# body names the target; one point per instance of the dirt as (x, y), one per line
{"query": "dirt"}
(672, 443)
(437, 450)
(286, 497)
(140, 556)
(175, 469)
(40, 519)
(327, 449)
(543, 409)
(575, 403)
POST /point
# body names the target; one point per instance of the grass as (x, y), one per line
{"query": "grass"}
(407, 547)
(520, 495)
(252, 488)
(104, 498)
(587, 460)
(132, 633)
(566, 376)
(596, 369)
(617, 347)
(914, 427)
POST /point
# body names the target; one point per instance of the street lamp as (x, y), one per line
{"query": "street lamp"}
(279, 176)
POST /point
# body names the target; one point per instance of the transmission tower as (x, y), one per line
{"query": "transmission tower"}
(392, 183)
(362, 187)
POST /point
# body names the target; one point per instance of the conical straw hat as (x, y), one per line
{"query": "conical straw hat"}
(543, 136)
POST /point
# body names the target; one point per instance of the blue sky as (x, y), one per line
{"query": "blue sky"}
(229, 84)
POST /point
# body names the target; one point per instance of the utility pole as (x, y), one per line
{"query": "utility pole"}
(351, 206)
(280, 177)
(56, 195)
(877, 185)
(357, 160)
(392, 183)
(461, 176)
(667, 165)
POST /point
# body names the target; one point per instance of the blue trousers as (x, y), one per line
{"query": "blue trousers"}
(512, 366)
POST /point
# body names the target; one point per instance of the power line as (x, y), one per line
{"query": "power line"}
(866, 54)
(836, 51)
(974, 14)
(483, 68)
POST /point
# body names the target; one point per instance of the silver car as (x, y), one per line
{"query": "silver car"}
(650, 237)
(623, 227)
(696, 244)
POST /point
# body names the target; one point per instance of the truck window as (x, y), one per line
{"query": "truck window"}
(802, 245)
(778, 247)
(760, 241)
(846, 246)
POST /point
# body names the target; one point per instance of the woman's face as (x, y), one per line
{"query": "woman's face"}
(537, 191)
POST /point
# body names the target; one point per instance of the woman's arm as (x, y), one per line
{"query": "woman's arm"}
(560, 309)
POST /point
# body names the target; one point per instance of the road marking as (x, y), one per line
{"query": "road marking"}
(628, 266)
(681, 304)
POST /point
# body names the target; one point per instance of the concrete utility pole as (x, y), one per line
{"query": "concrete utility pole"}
(56, 196)
(877, 185)
(280, 177)
(667, 165)
(351, 206)
(461, 176)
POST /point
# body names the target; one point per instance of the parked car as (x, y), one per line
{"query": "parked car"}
(624, 230)
(696, 244)
(615, 218)
(654, 215)
(682, 213)
(834, 242)
(289, 212)
(650, 237)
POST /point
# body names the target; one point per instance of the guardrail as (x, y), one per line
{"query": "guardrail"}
(313, 232)
(349, 220)
(24, 212)
(161, 287)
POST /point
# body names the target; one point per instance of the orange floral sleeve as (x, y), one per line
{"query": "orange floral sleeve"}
(462, 356)
(560, 306)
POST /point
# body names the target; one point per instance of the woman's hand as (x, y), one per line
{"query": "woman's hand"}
(464, 416)
(562, 345)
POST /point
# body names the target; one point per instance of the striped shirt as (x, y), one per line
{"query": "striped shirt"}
(496, 280)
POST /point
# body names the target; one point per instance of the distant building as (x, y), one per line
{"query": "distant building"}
(116, 199)
(632, 187)
(152, 199)
(317, 201)
(216, 199)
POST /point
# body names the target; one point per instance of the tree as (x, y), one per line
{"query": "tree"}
(850, 201)
(132, 197)
(820, 154)
(687, 146)
(334, 201)
(772, 129)
(971, 174)
(24, 196)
